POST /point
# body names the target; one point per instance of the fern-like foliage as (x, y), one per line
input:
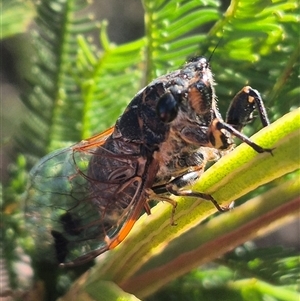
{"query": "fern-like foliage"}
(15, 17)
(106, 80)
(53, 99)
(257, 34)
(171, 32)
(77, 88)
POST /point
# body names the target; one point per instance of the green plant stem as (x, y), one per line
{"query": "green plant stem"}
(91, 292)
(222, 234)
(279, 293)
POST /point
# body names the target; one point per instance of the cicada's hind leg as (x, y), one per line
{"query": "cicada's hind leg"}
(176, 186)
(153, 195)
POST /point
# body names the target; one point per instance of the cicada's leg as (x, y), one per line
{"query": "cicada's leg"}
(218, 125)
(175, 187)
(241, 109)
(240, 113)
(152, 195)
(147, 208)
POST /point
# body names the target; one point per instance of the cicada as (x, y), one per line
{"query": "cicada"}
(83, 200)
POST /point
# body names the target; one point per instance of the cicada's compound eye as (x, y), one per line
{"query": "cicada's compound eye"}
(167, 107)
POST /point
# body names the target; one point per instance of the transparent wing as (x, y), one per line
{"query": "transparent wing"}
(74, 208)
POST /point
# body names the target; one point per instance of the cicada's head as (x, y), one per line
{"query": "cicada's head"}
(189, 106)
(190, 92)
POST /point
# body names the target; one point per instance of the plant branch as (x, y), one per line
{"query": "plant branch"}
(204, 243)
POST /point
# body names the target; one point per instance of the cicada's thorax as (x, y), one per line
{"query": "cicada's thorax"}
(140, 124)
(188, 142)
(192, 87)
(175, 142)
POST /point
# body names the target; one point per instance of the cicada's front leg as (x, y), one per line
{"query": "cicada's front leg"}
(240, 111)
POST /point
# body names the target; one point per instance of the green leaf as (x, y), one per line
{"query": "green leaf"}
(15, 17)
(111, 76)
(174, 22)
(53, 92)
